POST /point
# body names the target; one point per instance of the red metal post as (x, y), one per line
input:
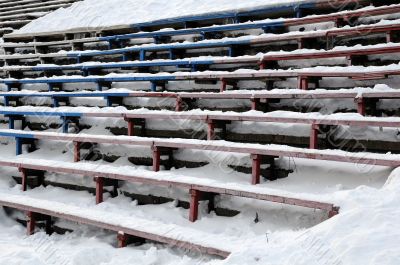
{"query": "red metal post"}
(194, 205)
(255, 169)
(178, 104)
(349, 60)
(361, 106)
(302, 83)
(77, 151)
(389, 36)
(131, 127)
(255, 103)
(211, 130)
(30, 223)
(314, 136)
(156, 158)
(262, 65)
(122, 239)
(300, 43)
(223, 85)
(99, 189)
(339, 23)
(24, 179)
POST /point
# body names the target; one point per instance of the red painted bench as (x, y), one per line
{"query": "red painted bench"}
(257, 152)
(349, 53)
(38, 209)
(196, 186)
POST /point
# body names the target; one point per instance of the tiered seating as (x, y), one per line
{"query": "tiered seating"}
(304, 77)
(16, 14)
(40, 209)
(234, 46)
(259, 99)
(256, 151)
(163, 64)
(289, 10)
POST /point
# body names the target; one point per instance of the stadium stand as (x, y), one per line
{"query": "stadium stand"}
(16, 14)
(352, 44)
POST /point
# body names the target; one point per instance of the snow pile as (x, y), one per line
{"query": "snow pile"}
(103, 13)
(367, 231)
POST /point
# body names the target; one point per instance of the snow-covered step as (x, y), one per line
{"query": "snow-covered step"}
(362, 97)
(170, 234)
(304, 76)
(192, 63)
(256, 151)
(195, 186)
(34, 4)
(209, 117)
(301, 38)
(233, 45)
(349, 53)
(33, 9)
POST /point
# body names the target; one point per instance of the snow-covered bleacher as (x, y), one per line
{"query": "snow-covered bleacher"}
(245, 84)
(16, 14)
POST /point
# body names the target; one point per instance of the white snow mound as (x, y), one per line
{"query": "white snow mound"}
(103, 13)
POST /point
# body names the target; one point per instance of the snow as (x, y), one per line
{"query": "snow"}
(361, 209)
(366, 231)
(103, 13)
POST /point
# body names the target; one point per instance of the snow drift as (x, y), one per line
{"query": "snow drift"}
(103, 13)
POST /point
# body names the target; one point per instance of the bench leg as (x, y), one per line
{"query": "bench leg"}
(223, 85)
(194, 205)
(30, 223)
(18, 146)
(361, 106)
(301, 43)
(272, 168)
(302, 83)
(389, 36)
(156, 159)
(49, 228)
(99, 189)
(11, 123)
(211, 130)
(99, 86)
(255, 169)
(178, 104)
(77, 151)
(314, 136)
(24, 177)
(131, 128)
(153, 86)
(65, 125)
(122, 239)
(255, 102)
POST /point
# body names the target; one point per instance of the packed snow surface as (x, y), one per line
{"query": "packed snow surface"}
(103, 13)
